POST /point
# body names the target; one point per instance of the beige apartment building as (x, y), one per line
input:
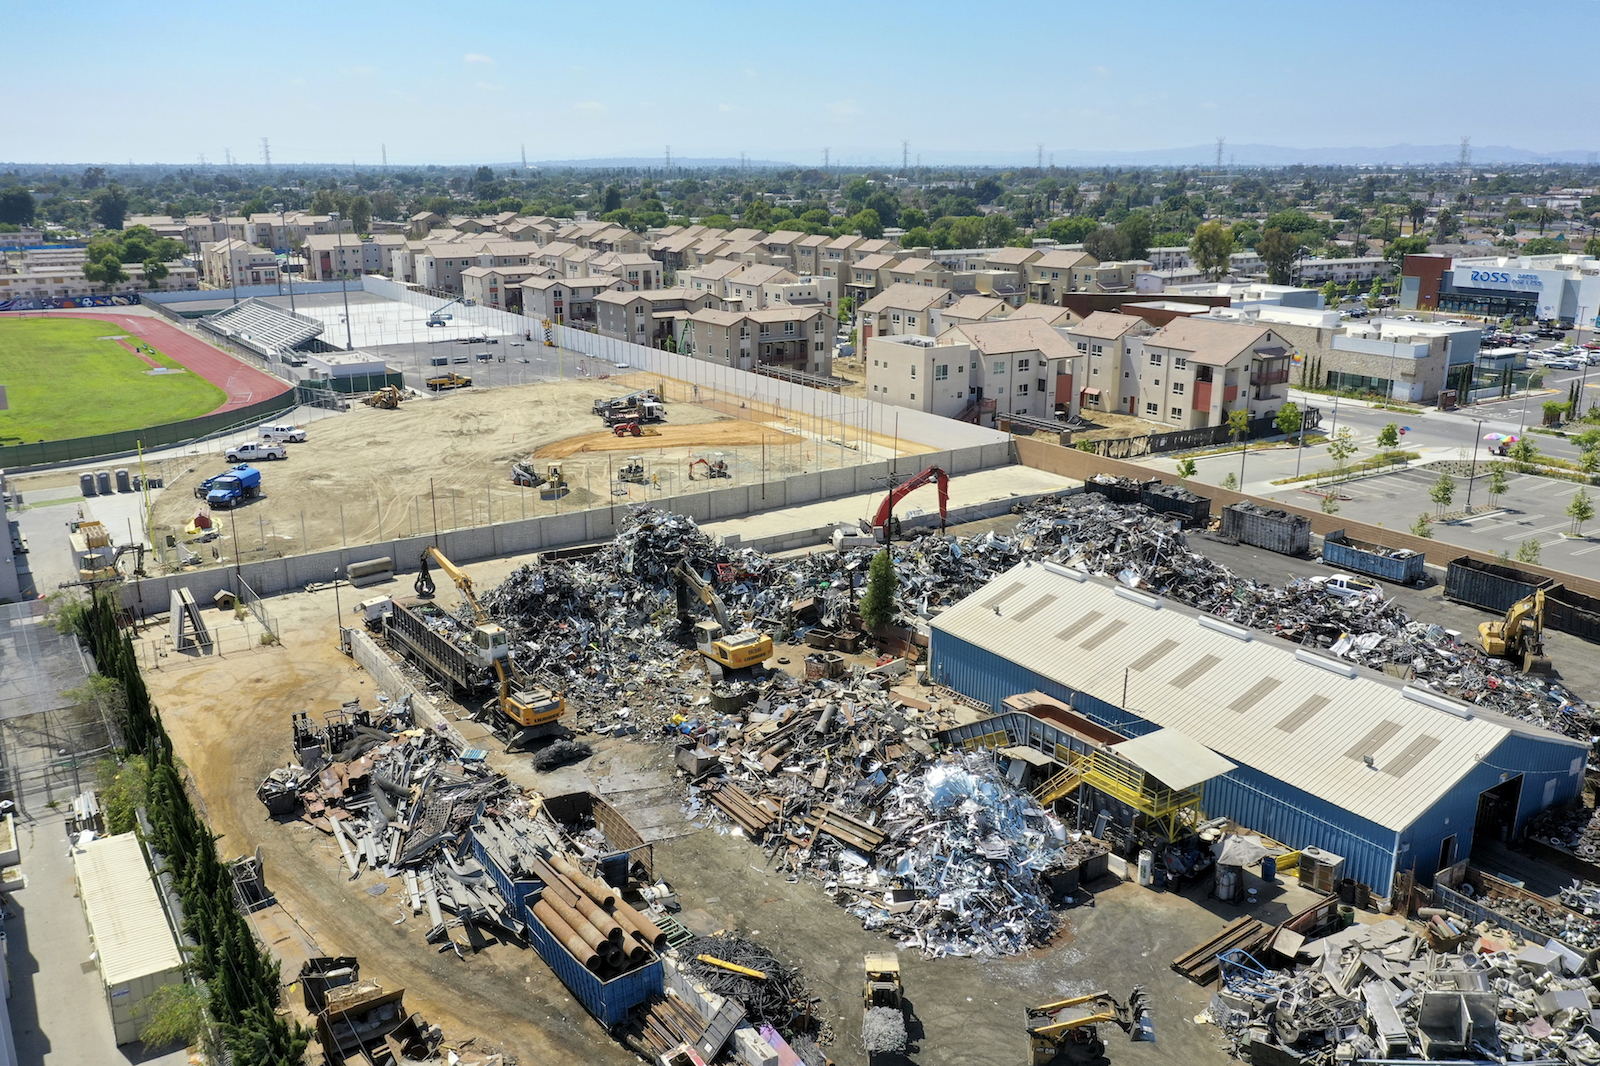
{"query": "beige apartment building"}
(233, 262)
(1053, 275)
(901, 310)
(1105, 342)
(569, 301)
(1194, 371)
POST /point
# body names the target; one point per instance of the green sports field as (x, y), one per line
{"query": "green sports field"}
(63, 380)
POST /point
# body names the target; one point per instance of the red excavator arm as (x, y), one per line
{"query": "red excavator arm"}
(933, 473)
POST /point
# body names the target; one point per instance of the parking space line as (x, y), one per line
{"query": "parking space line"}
(1534, 532)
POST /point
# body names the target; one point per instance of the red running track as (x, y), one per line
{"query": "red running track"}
(243, 383)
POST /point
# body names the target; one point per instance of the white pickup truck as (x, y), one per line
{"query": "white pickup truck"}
(254, 450)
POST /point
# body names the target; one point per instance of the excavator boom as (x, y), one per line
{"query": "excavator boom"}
(886, 510)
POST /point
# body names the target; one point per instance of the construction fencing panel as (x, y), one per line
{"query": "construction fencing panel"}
(746, 387)
(252, 601)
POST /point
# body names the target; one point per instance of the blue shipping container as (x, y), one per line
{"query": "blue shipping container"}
(1373, 559)
(609, 1001)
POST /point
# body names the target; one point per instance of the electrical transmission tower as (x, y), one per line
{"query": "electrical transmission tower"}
(825, 161)
(905, 156)
(266, 154)
(385, 149)
(669, 157)
(1220, 142)
(1464, 161)
(1039, 158)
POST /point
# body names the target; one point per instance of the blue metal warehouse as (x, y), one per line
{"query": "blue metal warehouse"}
(1392, 777)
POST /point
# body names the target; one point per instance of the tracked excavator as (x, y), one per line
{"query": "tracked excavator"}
(521, 715)
(883, 526)
(1068, 1030)
(727, 654)
(1520, 635)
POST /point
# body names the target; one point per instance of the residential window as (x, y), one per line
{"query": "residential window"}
(1177, 388)
(1001, 391)
(895, 316)
(1155, 358)
(941, 372)
(1022, 390)
(1180, 363)
(999, 367)
(1023, 364)
(1095, 371)
(1083, 346)
(913, 373)
(1177, 412)
(1152, 408)
(1098, 349)
(911, 320)
(974, 364)
(913, 396)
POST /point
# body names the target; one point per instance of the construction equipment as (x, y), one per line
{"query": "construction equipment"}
(883, 1022)
(521, 715)
(555, 482)
(1067, 1031)
(387, 398)
(634, 429)
(451, 380)
(630, 402)
(526, 476)
(1520, 635)
(438, 317)
(633, 470)
(730, 655)
(882, 988)
(881, 521)
(643, 411)
(714, 468)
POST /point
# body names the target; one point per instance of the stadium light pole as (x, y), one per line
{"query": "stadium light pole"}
(349, 345)
(287, 264)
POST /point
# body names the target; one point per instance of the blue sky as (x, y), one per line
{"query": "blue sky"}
(336, 81)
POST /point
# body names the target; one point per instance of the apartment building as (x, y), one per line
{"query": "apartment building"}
(1106, 342)
(500, 287)
(919, 270)
(439, 265)
(1053, 275)
(802, 290)
(332, 255)
(1193, 372)
(1015, 259)
(63, 278)
(809, 254)
(868, 276)
(712, 277)
(746, 290)
(637, 269)
(795, 338)
(648, 316)
(976, 372)
(232, 262)
(835, 258)
(915, 372)
(780, 248)
(570, 301)
(902, 310)
(970, 308)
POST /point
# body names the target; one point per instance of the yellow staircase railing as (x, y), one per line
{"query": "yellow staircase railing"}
(1062, 784)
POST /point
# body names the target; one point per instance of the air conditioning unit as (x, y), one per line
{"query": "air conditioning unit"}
(1320, 870)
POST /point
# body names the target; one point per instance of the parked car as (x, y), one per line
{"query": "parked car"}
(253, 450)
(1563, 362)
(1348, 586)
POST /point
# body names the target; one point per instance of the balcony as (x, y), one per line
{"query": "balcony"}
(1202, 396)
(1273, 373)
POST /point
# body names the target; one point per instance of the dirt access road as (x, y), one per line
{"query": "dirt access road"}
(230, 722)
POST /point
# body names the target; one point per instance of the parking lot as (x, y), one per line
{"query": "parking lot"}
(1532, 508)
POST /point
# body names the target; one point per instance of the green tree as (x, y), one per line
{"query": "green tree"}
(1375, 292)
(877, 605)
(1580, 509)
(613, 199)
(323, 203)
(1499, 481)
(867, 223)
(386, 205)
(155, 272)
(361, 214)
(173, 1014)
(1106, 244)
(1524, 453)
(1229, 482)
(1277, 249)
(1238, 427)
(1136, 231)
(1591, 247)
(1341, 448)
(1418, 213)
(111, 206)
(1330, 504)
(1389, 436)
(17, 207)
(1442, 492)
(1186, 468)
(1589, 460)
(1404, 246)
(1528, 552)
(107, 271)
(1423, 526)
(1288, 419)
(1210, 249)
(1330, 294)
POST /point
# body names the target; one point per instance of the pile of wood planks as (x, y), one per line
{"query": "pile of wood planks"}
(755, 816)
(842, 827)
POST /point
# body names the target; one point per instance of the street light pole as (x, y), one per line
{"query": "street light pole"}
(1473, 471)
(349, 345)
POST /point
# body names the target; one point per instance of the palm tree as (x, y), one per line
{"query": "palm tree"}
(1418, 211)
(1544, 214)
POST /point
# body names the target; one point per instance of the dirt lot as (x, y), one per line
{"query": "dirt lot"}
(688, 439)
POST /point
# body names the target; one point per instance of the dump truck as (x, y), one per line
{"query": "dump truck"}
(451, 380)
(233, 488)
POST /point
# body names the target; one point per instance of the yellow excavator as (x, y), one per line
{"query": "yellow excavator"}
(727, 654)
(524, 714)
(1520, 635)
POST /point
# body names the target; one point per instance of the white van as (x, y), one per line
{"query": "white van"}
(282, 433)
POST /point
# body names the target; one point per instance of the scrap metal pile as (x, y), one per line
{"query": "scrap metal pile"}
(1575, 829)
(771, 993)
(1379, 992)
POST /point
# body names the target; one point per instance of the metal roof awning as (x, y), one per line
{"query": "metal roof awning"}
(1027, 755)
(1091, 392)
(1178, 761)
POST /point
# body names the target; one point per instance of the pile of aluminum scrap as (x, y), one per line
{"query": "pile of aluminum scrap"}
(1583, 897)
(1381, 992)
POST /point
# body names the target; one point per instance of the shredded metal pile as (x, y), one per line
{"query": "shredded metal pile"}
(778, 998)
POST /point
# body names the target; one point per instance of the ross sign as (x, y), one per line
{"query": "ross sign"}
(1500, 279)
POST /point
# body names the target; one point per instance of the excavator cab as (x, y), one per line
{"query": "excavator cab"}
(490, 642)
(1520, 635)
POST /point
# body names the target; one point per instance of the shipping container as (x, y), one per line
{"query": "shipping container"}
(1191, 508)
(1400, 565)
(436, 656)
(1277, 531)
(134, 948)
(1490, 586)
(579, 810)
(1118, 489)
(1567, 611)
(609, 1001)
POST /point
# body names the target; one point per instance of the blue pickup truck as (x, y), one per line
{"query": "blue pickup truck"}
(233, 488)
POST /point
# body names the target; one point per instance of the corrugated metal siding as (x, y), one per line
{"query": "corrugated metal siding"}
(1206, 687)
(1248, 796)
(119, 899)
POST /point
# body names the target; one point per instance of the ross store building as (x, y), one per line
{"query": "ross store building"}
(1325, 754)
(1561, 288)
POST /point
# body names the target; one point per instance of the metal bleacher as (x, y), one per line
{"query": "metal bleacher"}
(263, 328)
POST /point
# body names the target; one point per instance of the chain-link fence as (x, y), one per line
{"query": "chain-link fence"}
(253, 602)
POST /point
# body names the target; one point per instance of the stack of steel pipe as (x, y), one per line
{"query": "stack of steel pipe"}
(576, 908)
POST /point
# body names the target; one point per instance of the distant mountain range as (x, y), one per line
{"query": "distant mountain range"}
(1244, 155)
